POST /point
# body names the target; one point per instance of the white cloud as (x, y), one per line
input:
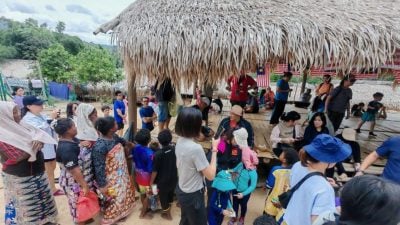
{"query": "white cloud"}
(81, 17)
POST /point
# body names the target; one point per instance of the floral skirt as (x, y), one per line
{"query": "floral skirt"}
(28, 200)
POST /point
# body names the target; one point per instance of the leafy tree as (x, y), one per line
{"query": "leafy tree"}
(72, 44)
(94, 64)
(55, 63)
(60, 28)
(43, 25)
(31, 22)
(7, 52)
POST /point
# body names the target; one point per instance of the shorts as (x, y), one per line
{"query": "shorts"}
(143, 189)
(163, 114)
(368, 117)
(120, 126)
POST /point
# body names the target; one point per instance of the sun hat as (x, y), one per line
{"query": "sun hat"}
(32, 100)
(205, 100)
(328, 149)
(349, 134)
(237, 110)
(241, 136)
(223, 181)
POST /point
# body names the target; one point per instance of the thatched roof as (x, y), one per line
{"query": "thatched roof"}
(186, 39)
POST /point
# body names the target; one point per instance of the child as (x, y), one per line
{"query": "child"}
(143, 158)
(220, 203)
(278, 182)
(357, 109)
(76, 174)
(106, 110)
(264, 220)
(370, 114)
(246, 180)
(165, 174)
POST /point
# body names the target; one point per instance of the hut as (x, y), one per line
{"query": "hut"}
(190, 40)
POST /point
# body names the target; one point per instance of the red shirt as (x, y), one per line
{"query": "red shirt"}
(239, 87)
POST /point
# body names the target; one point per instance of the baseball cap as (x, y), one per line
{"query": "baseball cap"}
(328, 149)
(32, 100)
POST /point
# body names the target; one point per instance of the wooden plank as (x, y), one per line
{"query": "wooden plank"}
(372, 170)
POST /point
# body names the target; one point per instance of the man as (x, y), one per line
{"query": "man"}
(119, 112)
(202, 105)
(164, 94)
(239, 87)
(147, 115)
(281, 97)
(236, 121)
(338, 101)
(389, 149)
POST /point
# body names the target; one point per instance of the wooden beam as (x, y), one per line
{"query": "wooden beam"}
(132, 100)
(304, 82)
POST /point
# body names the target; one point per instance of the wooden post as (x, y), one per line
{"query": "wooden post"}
(131, 77)
(304, 82)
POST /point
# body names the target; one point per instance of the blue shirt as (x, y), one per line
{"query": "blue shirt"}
(314, 197)
(390, 149)
(119, 104)
(284, 86)
(270, 182)
(147, 112)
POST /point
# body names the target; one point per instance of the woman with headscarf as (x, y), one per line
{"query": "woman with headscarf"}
(74, 154)
(23, 170)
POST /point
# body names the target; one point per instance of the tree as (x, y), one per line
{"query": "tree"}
(55, 63)
(94, 64)
(7, 52)
(43, 25)
(31, 22)
(72, 44)
(60, 27)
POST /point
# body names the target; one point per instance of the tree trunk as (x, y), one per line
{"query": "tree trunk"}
(131, 77)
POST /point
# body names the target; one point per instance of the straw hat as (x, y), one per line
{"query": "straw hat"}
(349, 134)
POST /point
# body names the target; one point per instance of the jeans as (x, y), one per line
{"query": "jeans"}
(193, 210)
(279, 108)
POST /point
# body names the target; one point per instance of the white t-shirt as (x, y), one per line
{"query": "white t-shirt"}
(190, 161)
(314, 197)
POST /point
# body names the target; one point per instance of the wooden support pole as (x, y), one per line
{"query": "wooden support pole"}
(132, 101)
(304, 82)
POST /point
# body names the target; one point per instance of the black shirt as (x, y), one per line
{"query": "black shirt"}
(25, 168)
(204, 116)
(165, 165)
(67, 153)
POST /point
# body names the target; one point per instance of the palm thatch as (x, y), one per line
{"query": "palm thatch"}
(209, 40)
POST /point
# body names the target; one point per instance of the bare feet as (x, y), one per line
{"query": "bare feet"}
(146, 216)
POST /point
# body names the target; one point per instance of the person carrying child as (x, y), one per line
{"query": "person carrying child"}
(370, 114)
(165, 174)
(278, 182)
(246, 178)
(220, 202)
(143, 157)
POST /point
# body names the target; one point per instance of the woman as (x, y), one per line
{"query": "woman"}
(23, 170)
(192, 167)
(269, 98)
(287, 134)
(76, 176)
(370, 200)
(71, 110)
(316, 127)
(33, 108)
(316, 195)
(18, 96)
(325, 87)
(111, 172)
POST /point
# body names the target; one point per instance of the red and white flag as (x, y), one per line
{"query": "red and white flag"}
(263, 75)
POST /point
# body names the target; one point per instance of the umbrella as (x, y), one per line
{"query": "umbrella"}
(188, 40)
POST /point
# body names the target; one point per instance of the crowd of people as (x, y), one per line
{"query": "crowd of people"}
(302, 187)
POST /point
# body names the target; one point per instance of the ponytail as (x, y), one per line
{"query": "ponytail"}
(292, 115)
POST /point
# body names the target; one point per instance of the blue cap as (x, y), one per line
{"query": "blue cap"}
(223, 181)
(328, 149)
(32, 100)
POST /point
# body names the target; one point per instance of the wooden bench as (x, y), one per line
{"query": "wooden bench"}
(372, 170)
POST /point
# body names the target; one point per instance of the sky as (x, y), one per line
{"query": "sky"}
(81, 17)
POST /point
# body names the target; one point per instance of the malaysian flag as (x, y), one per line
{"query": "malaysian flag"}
(263, 74)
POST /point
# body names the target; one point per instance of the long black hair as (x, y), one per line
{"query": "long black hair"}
(323, 118)
(292, 115)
